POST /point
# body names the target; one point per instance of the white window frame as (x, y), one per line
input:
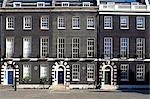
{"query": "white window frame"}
(124, 68)
(75, 46)
(46, 47)
(9, 54)
(65, 4)
(86, 4)
(140, 48)
(90, 72)
(108, 22)
(26, 24)
(61, 50)
(43, 70)
(27, 52)
(10, 23)
(124, 24)
(29, 68)
(40, 4)
(89, 26)
(76, 71)
(108, 45)
(140, 25)
(140, 73)
(124, 47)
(75, 22)
(45, 22)
(90, 47)
(17, 4)
(61, 23)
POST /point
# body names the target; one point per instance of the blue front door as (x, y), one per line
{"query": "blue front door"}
(10, 77)
(60, 77)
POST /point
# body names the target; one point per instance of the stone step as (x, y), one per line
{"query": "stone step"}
(108, 87)
(6, 87)
(59, 87)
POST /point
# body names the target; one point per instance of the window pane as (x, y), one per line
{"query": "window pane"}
(27, 22)
(26, 70)
(108, 47)
(44, 22)
(60, 47)
(140, 72)
(26, 46)
(124, 47)
(43, 70)
(140, 47)
(61, 22)
(124, 22)
(75, 47)
(75, 72)
(107, 22)
(9, 47)
(140, 22)
(90, 72)
(90, 47)
(10, 22)
(90, 23)
(75, 23)
(44, 46)
(124, 69)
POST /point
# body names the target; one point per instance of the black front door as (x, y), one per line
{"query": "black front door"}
(108, 77)
(60, 77)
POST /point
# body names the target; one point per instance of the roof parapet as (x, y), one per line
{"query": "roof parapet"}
(134, 6)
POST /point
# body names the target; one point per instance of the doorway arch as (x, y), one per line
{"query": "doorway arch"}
(107, 77)
(9, 72)
(60, 73)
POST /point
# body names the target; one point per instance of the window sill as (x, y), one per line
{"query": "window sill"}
(124, 80)
(142, 29)
(90, 56)
(90, 28)
(61, 28)
(75, 80)
(140, 80)
(76, 28)
(27, 29)
(44, 28)
(90, 80)
(108, 28)
(10, 29)
(124, 28)
(140, 58)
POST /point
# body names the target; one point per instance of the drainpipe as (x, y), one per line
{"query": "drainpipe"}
(98, 49)
(0, 41)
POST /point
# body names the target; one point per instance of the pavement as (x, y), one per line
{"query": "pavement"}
(73, 94)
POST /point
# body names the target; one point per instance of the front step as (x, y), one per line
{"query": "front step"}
(6, 87)
(59, 87)
(108, 87)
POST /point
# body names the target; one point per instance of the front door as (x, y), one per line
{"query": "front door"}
(108, 77)
(10, 77)
(60, 77)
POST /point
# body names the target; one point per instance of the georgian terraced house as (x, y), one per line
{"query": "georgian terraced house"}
(76, 43)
